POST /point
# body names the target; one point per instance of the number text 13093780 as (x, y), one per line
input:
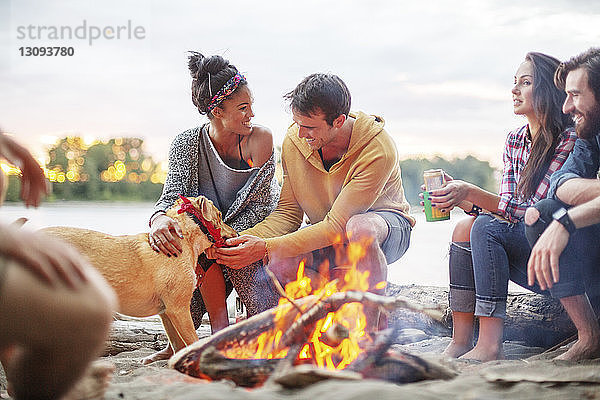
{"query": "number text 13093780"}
(48, 51)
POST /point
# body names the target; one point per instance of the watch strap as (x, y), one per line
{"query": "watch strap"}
(564, 220)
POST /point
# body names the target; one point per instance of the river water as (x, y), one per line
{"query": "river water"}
(425, 262)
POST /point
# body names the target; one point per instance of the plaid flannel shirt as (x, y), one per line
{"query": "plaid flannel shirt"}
(516, 153)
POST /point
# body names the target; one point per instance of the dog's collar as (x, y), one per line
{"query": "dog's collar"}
(215, 232)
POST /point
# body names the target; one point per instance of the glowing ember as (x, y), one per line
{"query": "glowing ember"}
(339, 337)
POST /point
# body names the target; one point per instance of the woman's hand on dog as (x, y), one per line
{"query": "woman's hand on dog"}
(164, 235)
(241, 251)
(51, 260)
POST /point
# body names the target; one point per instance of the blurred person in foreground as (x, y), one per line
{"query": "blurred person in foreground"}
(342, 171)
(564, 229)
(489, 248)
(55, 309)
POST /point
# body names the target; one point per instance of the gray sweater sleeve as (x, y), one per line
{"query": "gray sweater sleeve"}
(182, 175)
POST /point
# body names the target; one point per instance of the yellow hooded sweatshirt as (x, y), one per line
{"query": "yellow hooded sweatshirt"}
(366, 178)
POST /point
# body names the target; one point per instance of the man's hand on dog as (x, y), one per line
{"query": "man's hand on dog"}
(164, 235)
(51, 260)
(242, 251)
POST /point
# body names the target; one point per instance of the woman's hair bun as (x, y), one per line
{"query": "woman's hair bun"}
(204, 86)
(195, 63)
(200, 66)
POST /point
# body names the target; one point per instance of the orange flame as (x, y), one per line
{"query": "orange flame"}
(250, 163)
(381, 285)
(323, 348)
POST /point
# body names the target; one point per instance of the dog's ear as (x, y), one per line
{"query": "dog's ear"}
(212, 214)
(209, 211)
(196, 201)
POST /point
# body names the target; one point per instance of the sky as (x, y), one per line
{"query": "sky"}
(439, 72)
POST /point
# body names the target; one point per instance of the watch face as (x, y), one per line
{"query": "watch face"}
(562, 218)
(558, 214)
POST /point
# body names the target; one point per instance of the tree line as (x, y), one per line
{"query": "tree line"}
(120, 170)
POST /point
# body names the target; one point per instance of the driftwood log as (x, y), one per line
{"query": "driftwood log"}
(131, 333)
(533, 319)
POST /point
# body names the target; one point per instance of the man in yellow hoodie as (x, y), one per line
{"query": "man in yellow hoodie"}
(342, 171)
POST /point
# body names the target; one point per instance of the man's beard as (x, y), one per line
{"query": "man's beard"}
(591, 124)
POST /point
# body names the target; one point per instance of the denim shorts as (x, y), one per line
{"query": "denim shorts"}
(398, 239)
(393, 247)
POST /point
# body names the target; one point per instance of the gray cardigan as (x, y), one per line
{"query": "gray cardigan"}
(254, 201)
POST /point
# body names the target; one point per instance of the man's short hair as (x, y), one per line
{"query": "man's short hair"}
(325, 93)
(588, 60)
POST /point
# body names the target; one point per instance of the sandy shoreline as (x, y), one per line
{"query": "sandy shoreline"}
(526, 375)
(534, 378)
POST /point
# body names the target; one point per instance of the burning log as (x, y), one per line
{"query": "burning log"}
(209, 358)
(304, 375)
(397, 366)
(336, 300)
(213, 365)
(377, 362)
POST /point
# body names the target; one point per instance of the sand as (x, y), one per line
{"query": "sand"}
(527, 374)
(535, 377)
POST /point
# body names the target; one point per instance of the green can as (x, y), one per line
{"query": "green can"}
(433, 214)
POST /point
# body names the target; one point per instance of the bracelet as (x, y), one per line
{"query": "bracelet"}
(265, 259)
(154, 216)
(475, 210)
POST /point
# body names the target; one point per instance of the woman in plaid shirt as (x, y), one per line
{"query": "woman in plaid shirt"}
(489, 248)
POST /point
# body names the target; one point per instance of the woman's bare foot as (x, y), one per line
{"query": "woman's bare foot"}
(94, 383)
(164, 354)
(484, 353)
(456, 350)
(581, 350)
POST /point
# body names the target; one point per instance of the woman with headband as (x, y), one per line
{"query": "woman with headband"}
(230, 161)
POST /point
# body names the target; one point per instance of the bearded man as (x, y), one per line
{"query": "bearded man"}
(564, 229)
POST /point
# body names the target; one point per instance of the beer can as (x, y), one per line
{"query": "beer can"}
(434, 179)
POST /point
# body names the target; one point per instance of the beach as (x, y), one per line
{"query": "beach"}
(527, 374)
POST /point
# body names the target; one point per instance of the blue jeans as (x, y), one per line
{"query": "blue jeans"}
(583, 246)
(499, 252)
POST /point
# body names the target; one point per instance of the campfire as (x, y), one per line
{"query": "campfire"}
(316, 332)
(335, 340)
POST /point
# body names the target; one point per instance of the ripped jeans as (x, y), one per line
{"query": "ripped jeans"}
(498, 251)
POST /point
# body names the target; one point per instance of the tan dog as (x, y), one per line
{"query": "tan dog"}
(147, 282)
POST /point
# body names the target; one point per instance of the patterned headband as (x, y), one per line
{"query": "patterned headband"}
(226, 91)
